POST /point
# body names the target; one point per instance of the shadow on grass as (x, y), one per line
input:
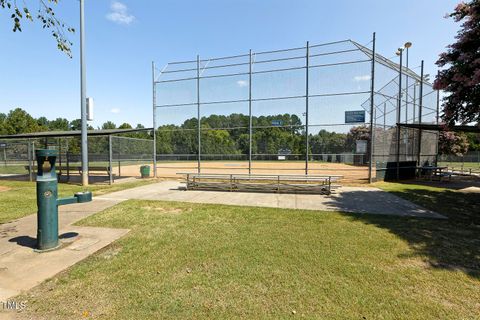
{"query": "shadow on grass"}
(452, 244)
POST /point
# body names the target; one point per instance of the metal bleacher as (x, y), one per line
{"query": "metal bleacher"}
(312, 184)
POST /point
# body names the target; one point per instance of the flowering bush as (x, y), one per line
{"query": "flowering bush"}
(453, 143)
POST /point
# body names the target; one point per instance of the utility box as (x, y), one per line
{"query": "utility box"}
(90, 109)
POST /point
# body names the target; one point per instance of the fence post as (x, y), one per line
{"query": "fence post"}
(307, 67)
(420, 109)
(198, 116)
(372, 108)
(438, 120)
(154, 105)
(399, 107)
(250, 115)
(110, 155)
(30, 166)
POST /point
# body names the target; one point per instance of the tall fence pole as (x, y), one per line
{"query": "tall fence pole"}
(83, 98)
(399, 107)
(154, 106)
(30, 160)
(438, 103)
(372, 108)
(420, 109)
(414, 110)
(198, 116)
(110, 156)
(438, 121)
(250, 114)
(307, 76)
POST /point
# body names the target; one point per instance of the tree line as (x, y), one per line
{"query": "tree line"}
(227, 134)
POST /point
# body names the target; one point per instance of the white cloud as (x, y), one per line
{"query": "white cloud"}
(119, 13)
(115, 110)
(242, 83)
(362, 78)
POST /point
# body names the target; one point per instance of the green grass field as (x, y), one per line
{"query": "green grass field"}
(19, 199)
(458, 165)
(194, 261)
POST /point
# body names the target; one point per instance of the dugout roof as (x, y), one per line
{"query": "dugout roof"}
(72, 133)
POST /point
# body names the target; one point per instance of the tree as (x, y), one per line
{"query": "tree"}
(45, 15)
(453, 143)
(43, 122)
(19, 121)
(125, 126)
(109, 125)
(461, 80)
(473, 141)
(3, 117)
(59, 124)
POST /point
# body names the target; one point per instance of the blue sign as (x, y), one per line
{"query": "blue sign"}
(277, 123)
(355, 116)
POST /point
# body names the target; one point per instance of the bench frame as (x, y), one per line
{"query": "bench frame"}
(308, 184)
(79, 169)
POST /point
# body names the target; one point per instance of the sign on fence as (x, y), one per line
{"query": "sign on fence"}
(355, 116)
(361, 146)
(3, 145)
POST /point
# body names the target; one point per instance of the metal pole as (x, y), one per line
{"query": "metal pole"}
(250, 115)
(307, 68)
(438, 102)
(385, 131)
(83, 98)
(414, 99)
(154, 106)
(398, 114)
(414, 113)
(198, 116)
(30, 159)
(406, 95)
(59, 155)
(420, 107)
(110, 156)
(372, 108)
(438, 120)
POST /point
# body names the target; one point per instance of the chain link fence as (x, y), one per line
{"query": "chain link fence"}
(285, 111)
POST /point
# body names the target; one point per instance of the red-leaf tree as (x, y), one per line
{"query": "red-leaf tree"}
(461, 77)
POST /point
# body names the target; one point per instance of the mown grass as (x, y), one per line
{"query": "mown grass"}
(19, 199)
(194, 261)
(458, 165)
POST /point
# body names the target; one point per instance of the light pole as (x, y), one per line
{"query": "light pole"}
(83, 98)
(399, 106)
(407, 45)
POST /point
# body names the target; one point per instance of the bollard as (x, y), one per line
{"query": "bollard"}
(48, 202)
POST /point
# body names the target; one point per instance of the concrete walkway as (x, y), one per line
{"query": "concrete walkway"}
(21, 268)
(347, 199)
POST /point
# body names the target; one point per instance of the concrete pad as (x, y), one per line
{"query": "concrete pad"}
(347, 199)
(21, 268)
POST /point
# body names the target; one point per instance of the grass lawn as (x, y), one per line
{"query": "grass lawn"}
(12, 169)
(458, 165)
(19, 199)
(194, 261)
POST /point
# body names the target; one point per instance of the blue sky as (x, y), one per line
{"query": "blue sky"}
(123, 37)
